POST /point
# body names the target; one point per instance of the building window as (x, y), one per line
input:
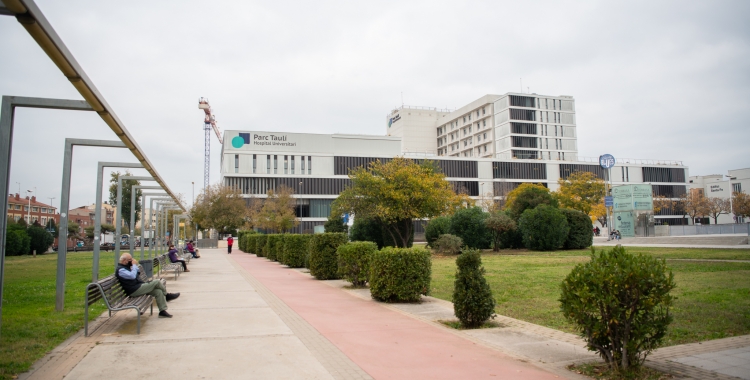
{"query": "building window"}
(275, 164)
(268, 164)
(255, 163)
(485, 136)
(292, 164)
(309, 164)
(51, 211)
(44, 210)
(485, 148)
(464, 119)
(737, 187)
(25, 208)
(484, 123)
(18, 207)
(483, 110)
(286, 164)
(236, 163)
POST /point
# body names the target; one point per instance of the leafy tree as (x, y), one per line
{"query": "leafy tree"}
(40, 239)
(277, 212)
(17, 241)
(473, 302)
(335, 223)
(436, 227)
(695, 204)
(52, 226)
(88, 233)
(395, 193)
(367, 230)
(717, 206)
(620, 304)
(469, 225)
(73, 230)
(499, 223)
(599, 214)
(741, 204)
(221, 208)
(580, 191)
(127, 189)
(526, 196)
(544, 228)
(581, 233)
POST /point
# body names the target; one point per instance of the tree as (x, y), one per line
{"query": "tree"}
(40, 239)
(127, 189)
(473, 303)
(395, 193)
(599, 214)
(544, 228)
(580, 191)
(526, 196)
(17, 241)
(716, 206)
(741, 204)
(277, 213)
(73, 230)
(219, 207)
(469, 225)
(88, 232)
(52, 226)
(335, 223)
(695, 204)
(499, 223)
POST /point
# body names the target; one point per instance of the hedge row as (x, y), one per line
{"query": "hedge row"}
(395, 274)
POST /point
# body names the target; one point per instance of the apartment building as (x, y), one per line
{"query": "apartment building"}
(18, 208)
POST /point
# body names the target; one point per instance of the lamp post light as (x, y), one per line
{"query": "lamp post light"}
(28, 210)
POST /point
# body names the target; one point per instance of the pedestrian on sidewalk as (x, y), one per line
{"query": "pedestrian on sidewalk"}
(173, 258)
(127, 275)
(230, 241)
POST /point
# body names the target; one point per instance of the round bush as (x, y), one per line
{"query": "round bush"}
(544, 228)
(581, 233)
(295, 250)
(366, 230)
(448, 244)
(620, 304)
(436, 227)
(473, 302)
(40, 239)
(324, 264)
(354, 261)
(17, 241)
(260, 245)
(501, 225)
(468, 224)
(273, 241)
(400, 274)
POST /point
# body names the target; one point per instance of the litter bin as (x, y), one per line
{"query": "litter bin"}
(148, 268)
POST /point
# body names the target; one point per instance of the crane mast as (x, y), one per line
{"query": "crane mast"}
(209, 122)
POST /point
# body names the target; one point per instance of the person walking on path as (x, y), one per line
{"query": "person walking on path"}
(230, 241)
(127, 275)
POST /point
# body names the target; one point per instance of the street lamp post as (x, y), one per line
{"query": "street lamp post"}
(28, 210)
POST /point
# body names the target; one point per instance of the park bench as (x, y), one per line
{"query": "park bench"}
(166, 266)
(109, 290)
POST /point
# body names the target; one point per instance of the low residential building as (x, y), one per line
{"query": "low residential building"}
(18, 208)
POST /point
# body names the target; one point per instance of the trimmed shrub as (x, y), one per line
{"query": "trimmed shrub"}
(323, 260)
(544, 228)
(620, 304)
(527, 196)
(40, 239)
(250, 243)
(473, 303)
(273, 241)
(581, 233)
(436, 227)
(354, 261)
(260, 245)
(400, 274)
(468, 224)
(17, 241)
(335, 224)
(448, 244)
(367, 230)
(295, 250)
(501, 225)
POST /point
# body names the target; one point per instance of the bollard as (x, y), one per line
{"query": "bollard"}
(34, 253)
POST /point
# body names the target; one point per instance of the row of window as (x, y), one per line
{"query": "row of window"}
(567, 169)
(44, 210)
(34, 218)
(305, 185)
(519, 170)
(290, 164)
(652, 174)
(451, 168)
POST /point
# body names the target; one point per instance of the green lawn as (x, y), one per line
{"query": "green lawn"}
(713, 299)
(30, 325)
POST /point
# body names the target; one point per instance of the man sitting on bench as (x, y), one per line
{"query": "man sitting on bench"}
(127, 274)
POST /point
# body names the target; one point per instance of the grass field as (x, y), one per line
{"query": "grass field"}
(713, 298)
(30, 325)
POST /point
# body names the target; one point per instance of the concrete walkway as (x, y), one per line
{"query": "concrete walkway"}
(240, 316)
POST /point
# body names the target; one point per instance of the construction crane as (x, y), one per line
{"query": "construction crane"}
(209, 122)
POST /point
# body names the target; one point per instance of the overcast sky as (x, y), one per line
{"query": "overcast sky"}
(651, 79)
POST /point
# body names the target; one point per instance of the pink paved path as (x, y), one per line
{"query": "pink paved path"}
(384, 343)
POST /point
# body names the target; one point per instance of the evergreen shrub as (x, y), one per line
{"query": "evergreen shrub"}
(367, 230)
(436, 227)
(354, 261)
(581, 233)
(296, 248)
(273, 242)
(323, 261)
(250, 243)
(40, 239)
(448, 244)
(544, 228)
(260, 245)
(620, 303)
(17, 241)
(468, 224)
(473, 302)
(400, 274)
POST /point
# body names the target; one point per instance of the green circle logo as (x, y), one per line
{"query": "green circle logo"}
(238, 142)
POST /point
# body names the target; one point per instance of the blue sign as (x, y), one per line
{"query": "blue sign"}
(607, 161)
(608, 201)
